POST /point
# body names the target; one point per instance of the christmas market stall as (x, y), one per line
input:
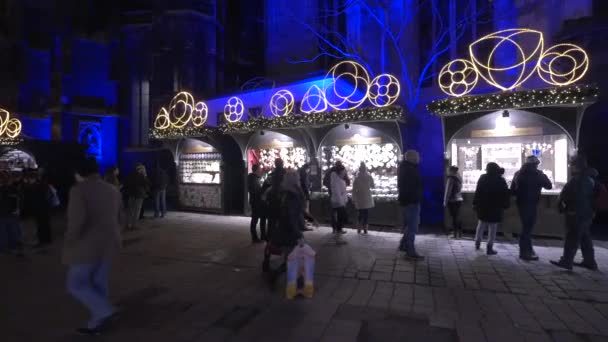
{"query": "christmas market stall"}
(509, 126)
(349, 116)
(204, 157)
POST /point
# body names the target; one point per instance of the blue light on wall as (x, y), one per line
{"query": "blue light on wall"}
(36, 128)
(89, 135)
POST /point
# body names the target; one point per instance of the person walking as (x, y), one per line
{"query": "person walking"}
(160, 181)
(409, 183)
(37, 207)
(339, 199)
(576, 203)
(258, 212)
(91, 241)
(490, 201)
(137, 190)
(526, 186)
(362, 197)
(452, 199)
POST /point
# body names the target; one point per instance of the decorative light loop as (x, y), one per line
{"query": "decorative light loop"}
(384, 90)
(234, 109)
(282, 103)
(10, 127)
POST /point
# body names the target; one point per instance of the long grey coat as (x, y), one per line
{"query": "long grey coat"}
(94, 222)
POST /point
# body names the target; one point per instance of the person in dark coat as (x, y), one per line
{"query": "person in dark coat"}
(576, 203)
(526, 187)
(271, 191)
(36, 193)
(452, 199)
(137, 190)
(490, 201)
(10, 226)
(160, 182)
(304, 174)
(258, 210)
(410, 196)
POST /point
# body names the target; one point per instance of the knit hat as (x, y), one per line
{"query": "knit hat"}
(532, 160)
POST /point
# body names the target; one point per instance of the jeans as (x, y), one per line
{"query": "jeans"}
(258, 214)
(135, 205)
(10, 233)
(363, 216)
(454, 210)
(88, 283)
(481, 228)
(338, 218)
(160, 203)
(578, 232)
(411, 220)
(527, 214)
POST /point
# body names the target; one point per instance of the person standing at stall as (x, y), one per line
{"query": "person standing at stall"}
(576, 203)
(160, 181)
(362, 197)
(137, 190)
(526, 187)
(91, 241)
(409, 183)
(452, 199)
(258, 212)
(271, 191)
(305, 184)
(339, 199)
(490, 201)
(111, 177)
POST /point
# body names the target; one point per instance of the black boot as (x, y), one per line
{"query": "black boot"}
(491, 251)
(477, 245)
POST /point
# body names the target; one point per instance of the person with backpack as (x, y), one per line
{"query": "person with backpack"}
(452, 199)
(490, 201)
(576, 202)
(526, 186)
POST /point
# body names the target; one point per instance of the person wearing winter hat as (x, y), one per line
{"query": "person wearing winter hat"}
(526, 186)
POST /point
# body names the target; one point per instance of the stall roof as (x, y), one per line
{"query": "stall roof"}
(577, 95)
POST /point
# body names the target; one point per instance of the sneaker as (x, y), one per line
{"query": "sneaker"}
(477, 245)
(562, 264)
(89, 331)
(588, 265)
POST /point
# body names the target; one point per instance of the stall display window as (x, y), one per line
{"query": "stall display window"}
(380, 159)
(200, 168)
(16, 160)
(507, 139)
(293, 157)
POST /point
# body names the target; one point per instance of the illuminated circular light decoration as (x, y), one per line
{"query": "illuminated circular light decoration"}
(313, 100)
(162, 120)
(507, 77)
(384, 90)
(233, 110)
(458, 77)
(282, 103)
(352, 73)
(180, 109)
(11, 127)
(563, 64)
(200, 113)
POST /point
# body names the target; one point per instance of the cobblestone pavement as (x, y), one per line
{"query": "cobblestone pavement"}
(194, 277)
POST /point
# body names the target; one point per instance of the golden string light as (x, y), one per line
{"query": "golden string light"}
(563, 64)
(505, 41)
(180, 109)
(353, 73)
(11, 127)
(458, 77)
(234, 109)
(162, 120)
(200, 114)
(282, 103)
(384, 90)
(560, 65)
(313, 100)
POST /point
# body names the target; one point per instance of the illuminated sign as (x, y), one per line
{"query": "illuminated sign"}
(560, 65)
(359, 140)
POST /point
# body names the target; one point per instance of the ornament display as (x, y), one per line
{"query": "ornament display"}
(293, 157)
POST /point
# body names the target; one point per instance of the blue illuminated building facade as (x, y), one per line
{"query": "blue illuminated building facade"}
(96, 72)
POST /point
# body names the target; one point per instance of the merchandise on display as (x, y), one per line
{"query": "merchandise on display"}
(200, 168)
(293, 157)
(16, 160)
(380, 159)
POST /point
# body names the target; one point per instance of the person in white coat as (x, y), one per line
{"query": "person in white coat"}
(339, 199)
(362, 197)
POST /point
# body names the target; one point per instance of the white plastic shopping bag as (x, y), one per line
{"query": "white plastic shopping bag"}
(300, 263)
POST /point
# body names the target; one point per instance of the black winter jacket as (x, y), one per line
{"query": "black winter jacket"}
(410, 184)
(491, 198)
(527, 185)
